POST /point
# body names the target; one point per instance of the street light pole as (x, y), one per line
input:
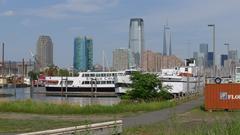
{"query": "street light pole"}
(214, 51)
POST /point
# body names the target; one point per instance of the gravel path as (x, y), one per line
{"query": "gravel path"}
(157, 116)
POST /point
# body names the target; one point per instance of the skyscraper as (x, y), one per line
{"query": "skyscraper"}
(195, 56)
(166, 40)
(120, 59)
(83, 53)
(170, 45)
(224, 57)
(210, 59)
(203, 48)
(136, 42)
(44, 51)
(233, 55)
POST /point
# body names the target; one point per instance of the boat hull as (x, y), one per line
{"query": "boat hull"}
(81, 89)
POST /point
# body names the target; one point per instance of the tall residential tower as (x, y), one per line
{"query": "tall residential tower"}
(83, 54)
(120, 59)
(136, 42)
(44, 51)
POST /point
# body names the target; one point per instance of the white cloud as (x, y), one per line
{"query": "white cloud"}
(73, 6)
(7, 13)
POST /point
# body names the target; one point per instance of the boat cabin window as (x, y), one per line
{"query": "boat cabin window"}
(120, 74)
(97, 75)
(238, 70)
(86, 82)
(109, 82)
(86, 75)
(121, 85)
(90, 82)
(92, 75)
(186, 69)
(98, 82)
(103, 82)
(103, 75)
(68, 82)
(129, 72)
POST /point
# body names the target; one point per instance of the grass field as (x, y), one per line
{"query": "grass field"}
(19, 126)
(28, 115)
(29, 106)
(195, 122)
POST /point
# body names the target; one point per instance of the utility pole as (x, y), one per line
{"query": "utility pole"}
(66, 85)
(91, 91)
(3, 78)
(23, 70)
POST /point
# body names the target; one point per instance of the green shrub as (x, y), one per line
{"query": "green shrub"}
(146, 87)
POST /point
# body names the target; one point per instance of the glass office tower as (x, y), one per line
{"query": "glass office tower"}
(136, 42)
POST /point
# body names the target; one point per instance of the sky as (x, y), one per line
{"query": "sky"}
(107, 22)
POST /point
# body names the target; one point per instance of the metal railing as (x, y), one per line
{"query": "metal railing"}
(105, 128)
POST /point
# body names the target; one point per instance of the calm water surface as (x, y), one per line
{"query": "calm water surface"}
(24, 93)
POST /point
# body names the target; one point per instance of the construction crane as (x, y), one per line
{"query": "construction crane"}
(36, 62)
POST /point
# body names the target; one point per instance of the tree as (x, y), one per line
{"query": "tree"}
(51, 71)
(63, 72)
(33, 75)
(146, 86)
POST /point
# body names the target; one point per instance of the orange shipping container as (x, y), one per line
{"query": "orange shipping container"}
(222, 96)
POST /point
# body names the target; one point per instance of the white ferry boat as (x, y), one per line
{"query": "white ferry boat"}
(85, 82)
(123, 81)
(182, 80)
(237, 75)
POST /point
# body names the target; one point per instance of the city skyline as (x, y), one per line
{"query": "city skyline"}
(60, 20)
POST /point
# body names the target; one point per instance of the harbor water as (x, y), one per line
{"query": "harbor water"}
(39, 95)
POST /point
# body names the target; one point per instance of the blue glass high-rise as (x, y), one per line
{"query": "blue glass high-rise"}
(83, 54)
(210, 59)
(223, 58)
